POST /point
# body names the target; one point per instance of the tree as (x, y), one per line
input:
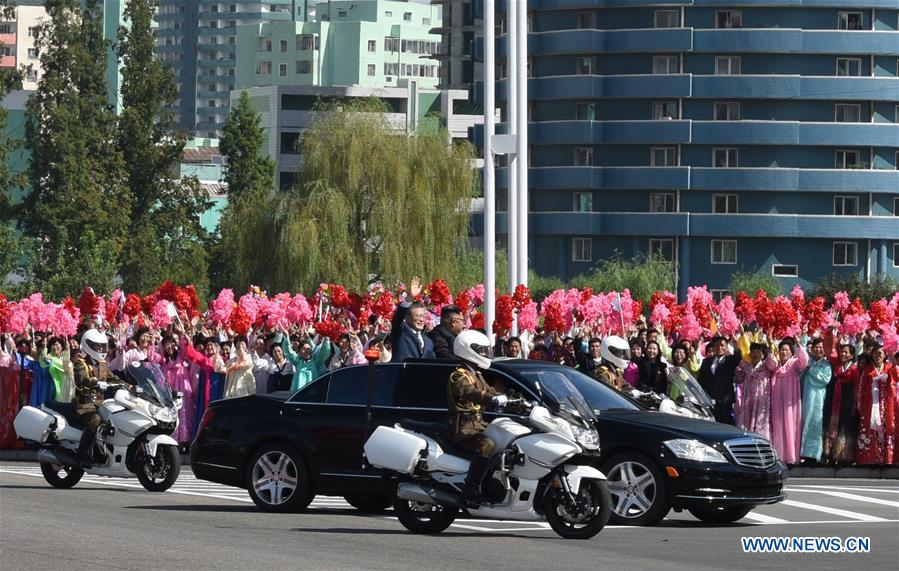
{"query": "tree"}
(751, 282)
(245, 252)
(165, 238)
(877, 288)
(641, 276)
(374, 203)
(78, 209)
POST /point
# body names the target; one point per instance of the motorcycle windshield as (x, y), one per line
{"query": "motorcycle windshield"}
(682, 386)
(561, 396)
(149, 377)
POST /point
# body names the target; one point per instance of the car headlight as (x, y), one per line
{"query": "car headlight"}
(587, 438)
(687, 449)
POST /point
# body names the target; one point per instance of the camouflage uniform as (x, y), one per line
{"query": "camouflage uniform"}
(468, 393)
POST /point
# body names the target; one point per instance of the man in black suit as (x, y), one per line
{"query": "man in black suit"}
(716, 376)
(408, 329)
(451, 324)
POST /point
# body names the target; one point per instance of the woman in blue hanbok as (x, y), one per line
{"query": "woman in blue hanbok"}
(814, 388)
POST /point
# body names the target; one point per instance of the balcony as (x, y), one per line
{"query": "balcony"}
(784, 41)
(598, 86)
(578, 4)
(609, 132)
(791, 179)
(794, 226)
(794, 87)
(795, 133)
(607, 41)
(621, 178)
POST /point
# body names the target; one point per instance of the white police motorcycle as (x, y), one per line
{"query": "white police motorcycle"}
(133, 440)
(541, 470)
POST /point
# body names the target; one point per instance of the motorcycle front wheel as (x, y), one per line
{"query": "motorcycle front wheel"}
(158, 474)
(424, 518)
(582, 518)
(61, 476)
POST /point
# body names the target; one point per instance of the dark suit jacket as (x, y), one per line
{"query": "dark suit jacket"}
(443, 339)
(720, 384)
(405, 342)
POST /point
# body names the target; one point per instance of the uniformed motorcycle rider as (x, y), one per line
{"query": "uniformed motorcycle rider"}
(615, 353)
(468, 393)
(91, 374)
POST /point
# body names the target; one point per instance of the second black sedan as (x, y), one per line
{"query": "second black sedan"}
(284, 449)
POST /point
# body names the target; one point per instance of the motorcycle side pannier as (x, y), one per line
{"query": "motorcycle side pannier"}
(394, 449)
(33, 424)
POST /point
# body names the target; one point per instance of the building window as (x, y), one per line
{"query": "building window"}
(583, 202)
(845, 254)
(785, 270)
(304, 66)
(847, 160)
(661, 202)
(407, 16)
(391, 69)
(290, 143)
(282, 46)
(664, 110)
(371, 70)
(5, 28)
(341, 13)
(265, 45)
(585, 111)
(719, 294)
(727, 65)
(896, 206)
(264, 68)
(847, 113)
(724, 203)
(845, 205)
(425, 21)
(391, 44)
(388, 14)
(661, 250)
(729, 19)
(583, 156)
(663, 156)
(585, 66)
(724, 251)
(586, 20)
(31, 75)
(849, 66)
(282, 70)
(724, 157)
(582, 249)
(667, 19)
(727, 111)
(32, 31)
(305, 43)
(849, 21)
(896, 254)
(372, 46)
(665, 65)
(32, 53)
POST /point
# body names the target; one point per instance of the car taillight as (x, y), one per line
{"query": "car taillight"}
(207, 418)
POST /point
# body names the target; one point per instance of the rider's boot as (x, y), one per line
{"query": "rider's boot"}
(84, 446)
(471, 489)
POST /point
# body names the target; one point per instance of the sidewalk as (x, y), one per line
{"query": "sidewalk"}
(889, 473)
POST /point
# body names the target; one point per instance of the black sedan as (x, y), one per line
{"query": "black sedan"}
(284, 449)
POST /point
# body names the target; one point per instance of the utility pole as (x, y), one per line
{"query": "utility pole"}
(489, 173)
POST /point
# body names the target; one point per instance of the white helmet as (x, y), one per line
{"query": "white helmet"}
(616, 351)
(474, 347)
(94, 344)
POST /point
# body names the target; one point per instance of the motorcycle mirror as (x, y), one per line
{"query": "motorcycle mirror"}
(138, 391)
(177, 394)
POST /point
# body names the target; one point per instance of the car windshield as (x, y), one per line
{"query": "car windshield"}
(149, 377)
(599, 396)
(682, 386)
(560, 394)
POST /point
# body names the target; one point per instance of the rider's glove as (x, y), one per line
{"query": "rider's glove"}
(500, 400)
(102, 385)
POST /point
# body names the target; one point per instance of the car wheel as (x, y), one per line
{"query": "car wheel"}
(277, 479)
(424, 518)
(637, 489)
(61, 476)
(370, 504)
(728, 514)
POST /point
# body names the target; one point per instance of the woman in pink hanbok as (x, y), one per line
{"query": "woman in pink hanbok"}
(176, 368)
(754, 379)
(786, 400)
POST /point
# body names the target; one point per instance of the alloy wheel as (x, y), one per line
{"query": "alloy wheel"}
(275, 477)
(633, 489)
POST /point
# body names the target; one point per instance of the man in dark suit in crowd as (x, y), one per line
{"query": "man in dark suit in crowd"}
(408, 329)
(451, 324)
(716, 375)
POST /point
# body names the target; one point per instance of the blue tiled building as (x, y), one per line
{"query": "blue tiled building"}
(726, 136)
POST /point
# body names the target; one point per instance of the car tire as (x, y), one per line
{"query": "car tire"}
(277, 479)
(370, 504)
(638, 489)
(424, 518)
(51, 473)
(728, 514)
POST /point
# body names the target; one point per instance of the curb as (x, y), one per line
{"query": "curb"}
(885, 473)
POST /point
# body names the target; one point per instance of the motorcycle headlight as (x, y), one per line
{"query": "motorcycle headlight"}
(687, 449)
(587, 438)
(161, 413)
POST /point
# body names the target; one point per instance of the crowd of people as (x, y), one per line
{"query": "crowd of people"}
(819, 395)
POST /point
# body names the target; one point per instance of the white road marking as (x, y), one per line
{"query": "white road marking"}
(834, 511)
(799, 488)
(764, 519)
(854, 497)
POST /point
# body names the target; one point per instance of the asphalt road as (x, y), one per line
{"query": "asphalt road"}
(115, 524)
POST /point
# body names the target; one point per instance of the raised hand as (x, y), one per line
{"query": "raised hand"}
(415, 287)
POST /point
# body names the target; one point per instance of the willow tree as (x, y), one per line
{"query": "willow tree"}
(374, 202)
